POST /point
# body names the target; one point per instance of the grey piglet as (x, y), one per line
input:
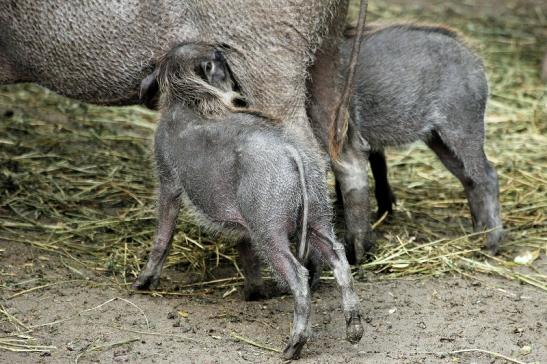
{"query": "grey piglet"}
(417, 82)
(247, 176)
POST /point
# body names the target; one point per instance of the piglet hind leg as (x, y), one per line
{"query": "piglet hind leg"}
(168, 210)
(467, 161)
(290, 272)
(333, 252)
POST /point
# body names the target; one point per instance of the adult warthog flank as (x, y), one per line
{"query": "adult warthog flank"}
(100, 51)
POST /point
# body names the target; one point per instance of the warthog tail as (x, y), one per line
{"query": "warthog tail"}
(303, 246)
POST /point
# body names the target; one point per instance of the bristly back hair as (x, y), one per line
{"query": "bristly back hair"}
(380, 26)
(351, 31)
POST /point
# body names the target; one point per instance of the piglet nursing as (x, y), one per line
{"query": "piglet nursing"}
(247, 176)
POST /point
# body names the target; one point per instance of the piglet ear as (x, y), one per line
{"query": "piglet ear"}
(149, 91)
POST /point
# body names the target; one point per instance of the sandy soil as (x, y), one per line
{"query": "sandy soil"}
(407, 321)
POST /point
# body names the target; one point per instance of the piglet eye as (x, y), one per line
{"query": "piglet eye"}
(207, 70)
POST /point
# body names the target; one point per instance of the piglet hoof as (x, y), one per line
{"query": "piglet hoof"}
(354, 327)
(314, 277)
(146, 282)
(294, 347)
(314, 280)
(493, 241)
(263, 291)
(359, 245)
(386, 205)
(255, 293)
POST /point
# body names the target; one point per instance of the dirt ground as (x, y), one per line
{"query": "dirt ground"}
(407, 321)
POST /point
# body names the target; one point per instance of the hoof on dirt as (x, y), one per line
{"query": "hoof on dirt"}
(263, 292)
(314, 277)
(294, 347)
(493, 241)
(314, 282)
(359, 245)
(145, 282)
(354, 328)
(386, 205)
(255, 293)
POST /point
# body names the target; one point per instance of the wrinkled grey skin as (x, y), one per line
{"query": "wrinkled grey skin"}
(422, 83)
(99, 53)
(249, 177)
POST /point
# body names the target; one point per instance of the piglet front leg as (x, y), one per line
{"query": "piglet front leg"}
(168, 210)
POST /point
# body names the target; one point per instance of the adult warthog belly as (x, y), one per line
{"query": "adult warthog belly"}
(99, 51)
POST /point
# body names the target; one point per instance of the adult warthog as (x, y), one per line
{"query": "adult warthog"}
(99, 51)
